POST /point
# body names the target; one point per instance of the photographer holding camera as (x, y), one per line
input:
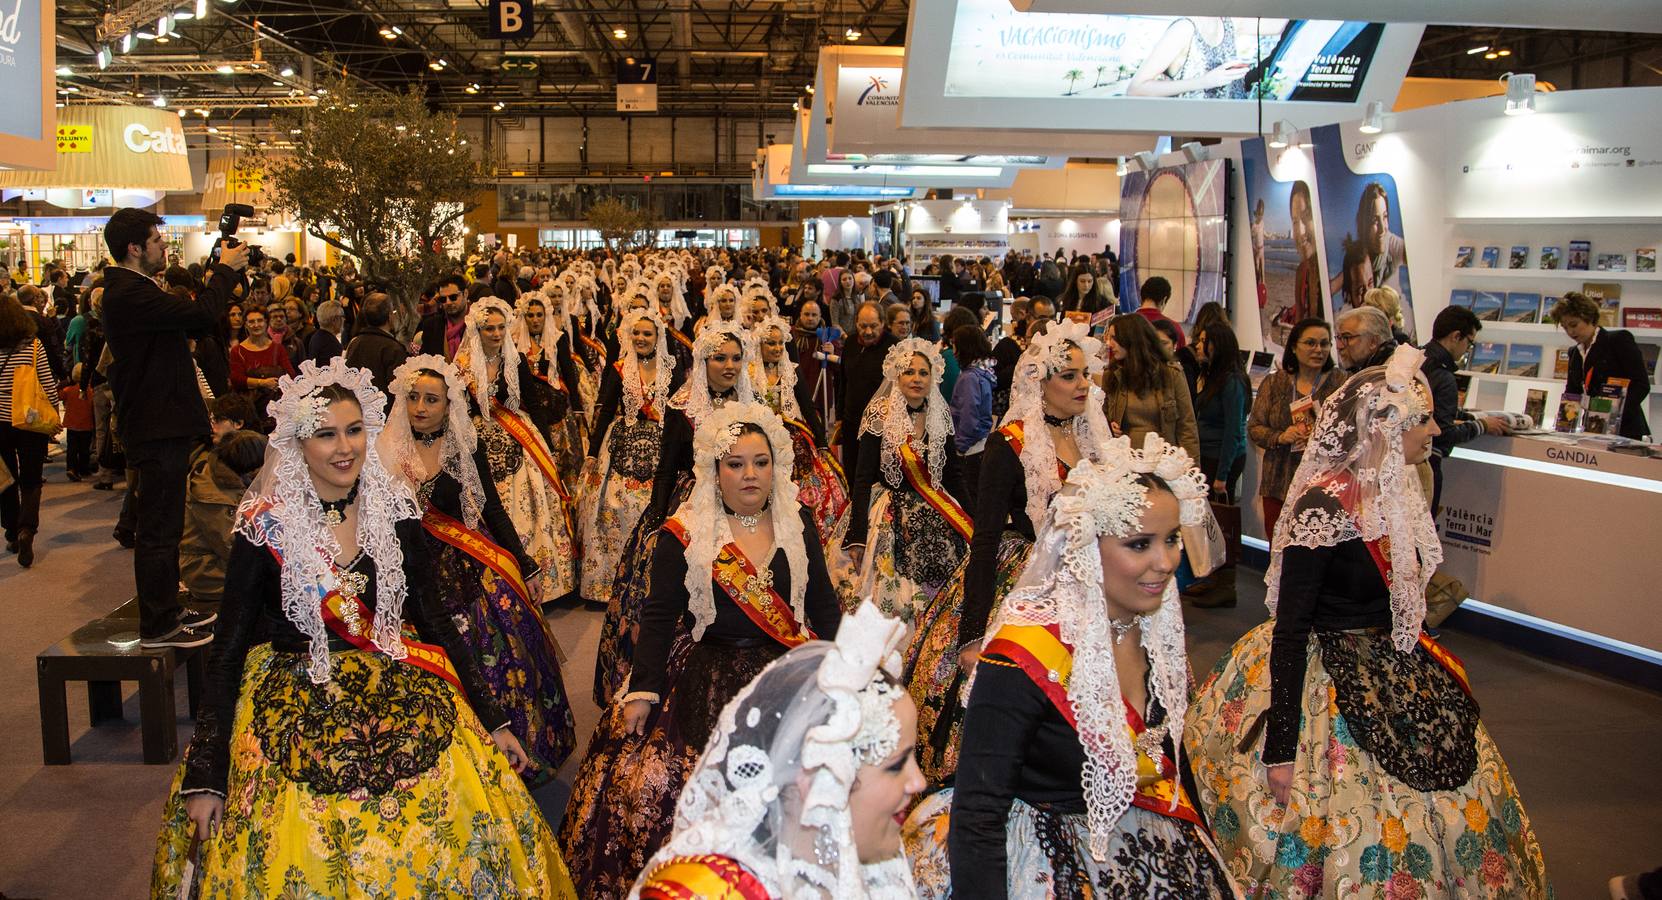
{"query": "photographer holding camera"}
(158, 409)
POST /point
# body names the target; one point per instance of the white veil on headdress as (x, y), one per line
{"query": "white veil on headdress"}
(583, 283)
(701, 512)
(825, 709)
(397, 443)
(758, 287)
(1354, 483)
(483, 389)
(281, 510)
(557, 299)
(1045, 356)
(678, 311)
(887, 413)
(788, 406)
(694, 396)
(629, 363)
(521, 332)
(1062, 585)
(712, 310)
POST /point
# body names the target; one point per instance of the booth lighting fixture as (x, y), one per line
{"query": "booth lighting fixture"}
(184, 15)
(852, 34)
(202, 112)
(159, 101)
(145, 36)
(499, 106)
(1520, 94)
(201, 10)
(809, 88)
(1120, 168)
(1373, 121)
(103, 56)
(1476, 50)
(1282, 136)
(287, 72)
(1194, 152)
(438, 65)
(471, 89)
(164, 25)
(127, 42)
(224, 69)
(1148, 160)
(65, 70)
(212, 130)
(796, 106)
(620, 33)
(1491, 55)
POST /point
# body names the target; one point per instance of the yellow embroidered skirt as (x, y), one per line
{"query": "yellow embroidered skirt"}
(381, 783)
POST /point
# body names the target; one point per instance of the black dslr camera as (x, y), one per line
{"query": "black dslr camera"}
(229, 220)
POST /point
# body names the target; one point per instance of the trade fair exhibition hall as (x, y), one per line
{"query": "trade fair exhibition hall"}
(1135, 454)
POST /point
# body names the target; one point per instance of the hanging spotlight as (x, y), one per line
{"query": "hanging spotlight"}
(159, 101)
(1503, 53)
(499, 106)
(287, 72)
(184, 15)
(224, 69)
(809, 88)
(201, 10)
(164, 25)
(65, 70)
(471, 89)
(1491, 55)
(620, 33)
(127, 42)
(104, 56)
(1476, 50)
(1282, 136)
(1373, 120)
(852, 34)
(1520, 94)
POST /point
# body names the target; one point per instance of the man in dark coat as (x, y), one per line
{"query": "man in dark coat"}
(861, 375)
(441, 332)
(375, 348)
(158, 406)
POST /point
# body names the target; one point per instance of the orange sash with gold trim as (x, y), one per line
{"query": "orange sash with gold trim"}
(646, 409)
(750, 591)
(593, 345)
(1015, 433)
(532, 444)
(706, 877)
(476, 545)
(350, 618)
(911, 465)
(685, 341)
(1039, 652)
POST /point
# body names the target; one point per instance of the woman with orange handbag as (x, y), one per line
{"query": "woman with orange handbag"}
(28, 416)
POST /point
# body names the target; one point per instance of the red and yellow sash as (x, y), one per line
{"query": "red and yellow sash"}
(918, 477)
(532, 444)
(476, 545)
(1380, 550)
(350, 618)
(760, 603)
(593, 345)
(707, 877)
(807, 433)
(1039, 652)
(646, 396)
(1014, 434)
(685, 341)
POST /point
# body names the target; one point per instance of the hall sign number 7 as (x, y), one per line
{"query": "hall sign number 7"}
(637, 70)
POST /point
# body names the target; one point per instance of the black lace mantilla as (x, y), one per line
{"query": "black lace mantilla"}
(1403, 708)
(1146, 866)
(634, 446)
(375, 723)
(927, 550)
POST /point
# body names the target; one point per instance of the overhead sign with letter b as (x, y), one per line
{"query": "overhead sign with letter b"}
(512, 19)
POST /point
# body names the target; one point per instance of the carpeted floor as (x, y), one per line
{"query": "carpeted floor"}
(1582, 749)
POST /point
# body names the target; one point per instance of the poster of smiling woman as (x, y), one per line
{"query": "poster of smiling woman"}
(1363, 228)
(1285, 238)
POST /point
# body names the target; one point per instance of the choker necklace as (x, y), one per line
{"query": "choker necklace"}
(1121, 629)
(1065, 424)
(334, 511)
(430, 438)
(647, 358)
(749, 522)
(728, 394)
(914, 410)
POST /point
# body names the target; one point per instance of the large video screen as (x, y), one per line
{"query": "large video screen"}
(997, 51)
(1174, 223)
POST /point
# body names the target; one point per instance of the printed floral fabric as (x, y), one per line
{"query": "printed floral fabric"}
(936, 683)
(538, 513)
(631, 581)
(821, 488)
(1404, 709)
(910, 553)
(609, 513)
(1048, 853)
(462, 826)
(622, 805)
(1352, 828)
(515, 653)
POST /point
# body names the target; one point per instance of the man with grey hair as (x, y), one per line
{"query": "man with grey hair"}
(1363, 338)
(324, 343)
(374, 347)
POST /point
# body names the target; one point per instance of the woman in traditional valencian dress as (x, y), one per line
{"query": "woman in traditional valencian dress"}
(742, 560)
(330, 630)
(819, 479)
(1054, 421)
(722, 306)
(1337, 747)
(623, 456)
(797, 794)
(483, 573)
(513, 413)
(538, 336)
(1071, 781)
(907, 532)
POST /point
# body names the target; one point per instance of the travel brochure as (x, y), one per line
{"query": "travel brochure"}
(1642, 317)
(1491, 257)
(1612, 262)
(1603, 414)
(1581, 258)
(1463, 257)
(1460, 297)
(1561, 362)
(1487, 305)
(1608, 295)
(1551, 257)
(1580, 255)
(1569, 414)
(1650, 353)
(1644, 259)
(1535, 407)
(1519, 257)
(1524, 360)
(1547, 304)
(1488, 358)
(1521, 306)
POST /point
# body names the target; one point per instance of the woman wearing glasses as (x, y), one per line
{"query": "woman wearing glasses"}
(1306, 377)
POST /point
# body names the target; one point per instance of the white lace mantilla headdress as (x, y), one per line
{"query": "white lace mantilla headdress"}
(1355, 483)
(1046, 355)
(521, 330)
(587, 290)
(825, 710)
(702, 511)
(281, 510)
(474, 348)
(758, 287)
(712, 309)
(888, 414)
(635, 395)
(694, 396)
(1062, 585)
(678, 311)
(786, 389)
(558, 299)
(397, 443)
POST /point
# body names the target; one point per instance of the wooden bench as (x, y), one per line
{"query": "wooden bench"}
(87, 655)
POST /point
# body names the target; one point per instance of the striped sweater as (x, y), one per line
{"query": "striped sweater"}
(17, 356)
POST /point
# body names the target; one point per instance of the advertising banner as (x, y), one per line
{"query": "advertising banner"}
(999, 52)
(1363, 216)
(28, 53)
(131, 147)
(1174, 223)
(1285, 242)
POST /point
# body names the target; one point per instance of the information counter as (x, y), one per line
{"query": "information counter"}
(1561, 534)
